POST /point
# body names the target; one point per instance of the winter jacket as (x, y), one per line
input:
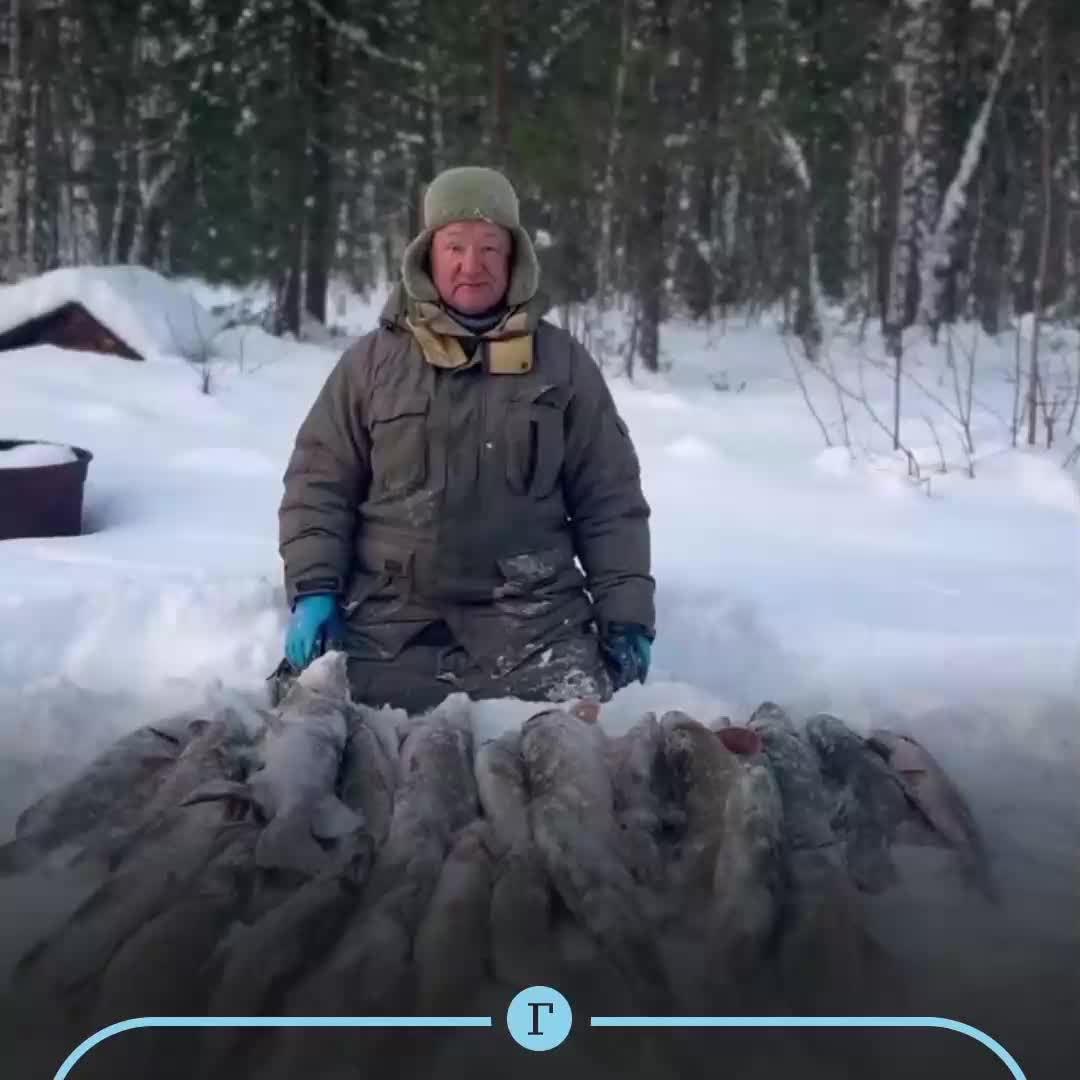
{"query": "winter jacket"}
(429, 485)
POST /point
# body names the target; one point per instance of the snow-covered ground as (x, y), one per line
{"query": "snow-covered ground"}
(786, 569)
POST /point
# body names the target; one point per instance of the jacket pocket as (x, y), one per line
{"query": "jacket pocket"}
(535, 445)
(399, 445)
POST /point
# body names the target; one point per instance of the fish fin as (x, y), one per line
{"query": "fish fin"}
(332, 819)
(215, 790)
(287, 843)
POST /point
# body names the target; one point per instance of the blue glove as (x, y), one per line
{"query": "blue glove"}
(314, 620)
(627, 652)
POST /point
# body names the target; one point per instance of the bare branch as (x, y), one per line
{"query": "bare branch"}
(942, 467)
(806, 392)
(359, 37)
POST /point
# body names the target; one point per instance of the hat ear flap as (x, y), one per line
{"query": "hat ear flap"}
(524, 269)
(415, 269)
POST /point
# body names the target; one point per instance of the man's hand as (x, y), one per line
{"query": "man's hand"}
(627, 651)
(314, 619)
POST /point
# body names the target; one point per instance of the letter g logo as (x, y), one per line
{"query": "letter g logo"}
(539, 1018)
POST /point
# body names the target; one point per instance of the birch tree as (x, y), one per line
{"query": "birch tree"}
(938, 246)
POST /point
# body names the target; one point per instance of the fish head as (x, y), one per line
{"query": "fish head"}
(770, 716)
(328, 675)
(901, 752)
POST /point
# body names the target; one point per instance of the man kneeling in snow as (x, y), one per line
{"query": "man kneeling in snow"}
(457, 462)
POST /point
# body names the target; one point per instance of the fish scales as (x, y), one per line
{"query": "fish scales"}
(573, 822)
(872, 801)
(808, 807)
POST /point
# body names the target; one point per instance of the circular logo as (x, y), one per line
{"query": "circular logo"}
(539, 1018)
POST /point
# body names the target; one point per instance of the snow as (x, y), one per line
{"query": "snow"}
(146, 311)
(820, 577)
(36, 455)
(785, 567)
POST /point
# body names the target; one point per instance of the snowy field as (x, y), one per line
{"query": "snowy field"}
(814, 576)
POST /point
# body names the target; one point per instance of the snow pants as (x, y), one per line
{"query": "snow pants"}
(433, 666)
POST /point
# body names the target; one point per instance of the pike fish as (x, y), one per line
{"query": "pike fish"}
(871, 801)
(371, 772)
(640, 783)
(521, 942)
(160, 969)
(748, 873)
(369, 969)
(154, 858)
(573, 821)
(704, 771)
(807, 805)
(940, 803)
(66, 964)
(254, 965)
(453, 940)
(294, 788)
(107, 796)
(501, 785)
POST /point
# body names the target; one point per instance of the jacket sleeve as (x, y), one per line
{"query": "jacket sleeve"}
(607, 508)
(327, 476)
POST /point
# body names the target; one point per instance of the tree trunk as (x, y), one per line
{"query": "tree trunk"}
(654, 190)
(909, 36)
(612, 154)
(940, 226)
(499, 116)
(320, 200)
(1046, 163)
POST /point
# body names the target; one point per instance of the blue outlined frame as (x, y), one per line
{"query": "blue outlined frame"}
(91, 1041)
(941, 1022)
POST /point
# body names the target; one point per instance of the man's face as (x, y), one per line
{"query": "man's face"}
(470, 264)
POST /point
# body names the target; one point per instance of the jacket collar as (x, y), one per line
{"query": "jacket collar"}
(510, 344)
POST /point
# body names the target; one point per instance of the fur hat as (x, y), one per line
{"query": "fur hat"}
(471, 193)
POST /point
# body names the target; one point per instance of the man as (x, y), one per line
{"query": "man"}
(460, 461)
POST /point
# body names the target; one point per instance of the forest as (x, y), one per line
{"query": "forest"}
(907, 161)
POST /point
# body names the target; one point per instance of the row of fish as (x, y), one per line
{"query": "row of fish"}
(347, 861)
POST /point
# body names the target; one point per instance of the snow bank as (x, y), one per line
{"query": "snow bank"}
(146, 311)
(35, 455)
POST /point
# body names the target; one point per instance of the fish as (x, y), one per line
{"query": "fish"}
(808, 807)
(940, 803)
(150, 861)
(522, 947)
(256, 963)
(370, 772)
(871, 801)
(369, 968)
(66, 964)
(213, 754)
(703, 771)
(293, 790)
(747, 883)
(161, 969)
(501, 787)
(105, 797)
(827, 960)
(573, 822)
(452, 949)
(637, 765)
